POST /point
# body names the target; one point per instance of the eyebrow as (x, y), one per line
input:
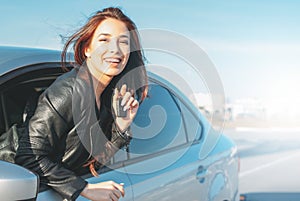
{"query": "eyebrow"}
(107, 34)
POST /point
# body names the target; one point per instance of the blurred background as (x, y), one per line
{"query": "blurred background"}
(255, 45)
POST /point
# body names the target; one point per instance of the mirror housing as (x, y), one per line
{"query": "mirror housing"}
(17, 183)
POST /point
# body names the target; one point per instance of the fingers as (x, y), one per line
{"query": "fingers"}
(128, 100)
(123, 89)
(114, 196)
(117, 192)
(108, 191)
(128, 104)
(123, 93)
(116, 95)
(135, 103)
(120, 189)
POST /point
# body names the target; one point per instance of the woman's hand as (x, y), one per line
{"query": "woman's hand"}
(104, 191)
(129, 104)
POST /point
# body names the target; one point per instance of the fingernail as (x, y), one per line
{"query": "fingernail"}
(125, 108)
(122, 184)
(122, 102)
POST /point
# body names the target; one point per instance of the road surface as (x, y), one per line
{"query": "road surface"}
(270, 163)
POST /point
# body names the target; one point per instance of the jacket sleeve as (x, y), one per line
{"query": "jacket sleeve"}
(119, 139)
(41, 148)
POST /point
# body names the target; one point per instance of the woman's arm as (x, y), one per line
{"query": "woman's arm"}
(39, 146)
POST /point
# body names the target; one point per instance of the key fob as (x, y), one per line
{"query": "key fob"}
(120, 112)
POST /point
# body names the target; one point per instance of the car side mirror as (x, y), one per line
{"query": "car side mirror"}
(17, 183)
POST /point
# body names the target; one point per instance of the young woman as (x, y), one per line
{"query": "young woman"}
(76, 127)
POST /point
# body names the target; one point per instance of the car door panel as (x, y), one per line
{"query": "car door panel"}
(117, 175)
(177, 181)
(165, 164)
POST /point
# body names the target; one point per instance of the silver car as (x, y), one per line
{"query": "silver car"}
(165, 160)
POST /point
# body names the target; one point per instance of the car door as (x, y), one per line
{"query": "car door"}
(116, 174)
(164, 153)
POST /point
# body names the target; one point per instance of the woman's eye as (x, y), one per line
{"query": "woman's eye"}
(103, 40)
(124, 42)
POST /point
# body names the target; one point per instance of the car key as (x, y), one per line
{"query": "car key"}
(120, 111)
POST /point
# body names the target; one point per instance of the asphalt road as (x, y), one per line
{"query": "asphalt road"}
(270, 163)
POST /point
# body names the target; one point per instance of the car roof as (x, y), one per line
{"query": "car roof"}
(12, 58)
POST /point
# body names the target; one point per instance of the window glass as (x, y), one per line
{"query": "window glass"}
(158, 124)
(193, 126)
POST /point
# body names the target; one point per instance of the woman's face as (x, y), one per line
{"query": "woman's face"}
(109, 49)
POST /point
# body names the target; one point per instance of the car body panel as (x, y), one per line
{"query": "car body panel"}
(15, 177)
(189, 177)
(13, 58)
(118, 175)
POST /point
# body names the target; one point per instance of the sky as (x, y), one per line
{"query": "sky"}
(254, 44)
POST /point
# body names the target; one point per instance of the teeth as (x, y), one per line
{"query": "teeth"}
(113, 60)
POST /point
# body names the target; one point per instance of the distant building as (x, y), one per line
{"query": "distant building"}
(250, 108)
(206, 105)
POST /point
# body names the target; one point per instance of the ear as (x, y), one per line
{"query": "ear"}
(87, 52)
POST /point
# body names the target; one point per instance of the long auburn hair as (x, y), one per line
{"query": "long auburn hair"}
(136, 81)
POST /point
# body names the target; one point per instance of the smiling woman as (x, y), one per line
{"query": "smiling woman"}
(109, 49)
(75, 127)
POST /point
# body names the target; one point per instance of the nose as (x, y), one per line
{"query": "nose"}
(114, 46)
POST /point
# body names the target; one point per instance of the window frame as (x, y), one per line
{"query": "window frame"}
(3, 120)
(176, 97)
(187, 103)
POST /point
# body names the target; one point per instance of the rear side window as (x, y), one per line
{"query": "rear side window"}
(192, 122)
(158, 125)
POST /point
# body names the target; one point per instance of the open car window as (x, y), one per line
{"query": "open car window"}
(22, 92)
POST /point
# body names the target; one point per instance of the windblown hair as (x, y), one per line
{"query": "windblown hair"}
(83, 37)
(136, 81)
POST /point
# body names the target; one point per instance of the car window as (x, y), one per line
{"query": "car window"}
(14, 103)
(23, 91)
(158, 125)
(192, 122)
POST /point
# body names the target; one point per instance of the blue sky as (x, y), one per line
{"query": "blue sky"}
(254, 44)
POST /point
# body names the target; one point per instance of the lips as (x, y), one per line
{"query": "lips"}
(113, 60)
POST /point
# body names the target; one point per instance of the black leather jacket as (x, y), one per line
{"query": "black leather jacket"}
(66, 131)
